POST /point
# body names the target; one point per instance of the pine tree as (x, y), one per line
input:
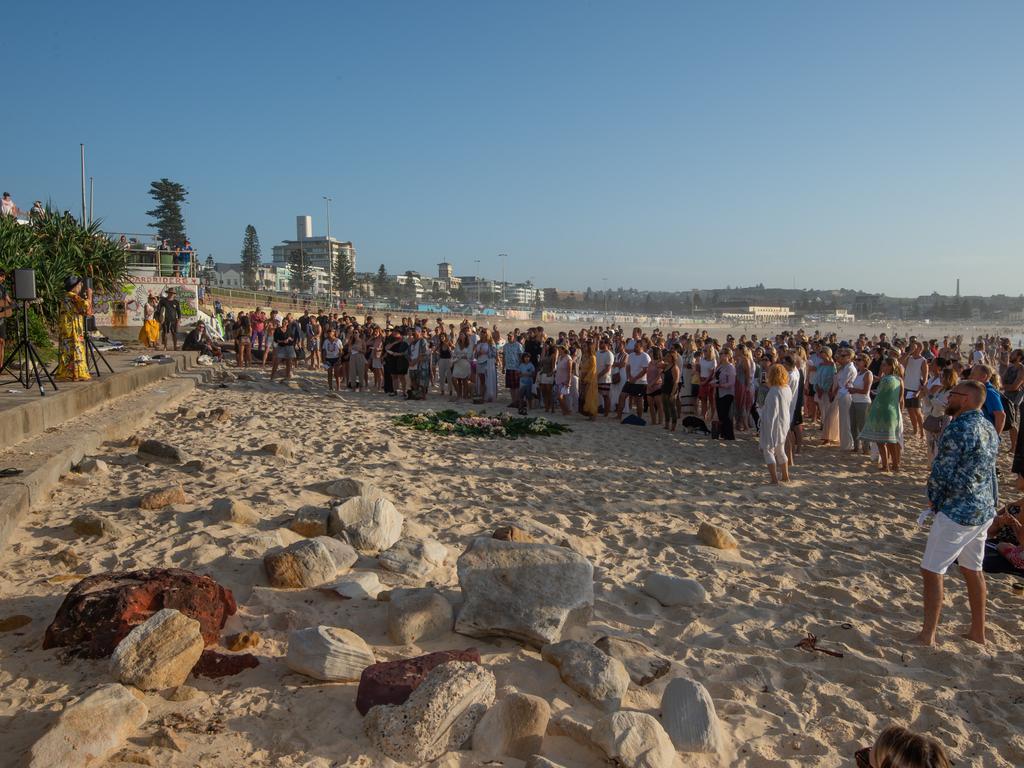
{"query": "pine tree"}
(300, 272)
(251, 257)
(169, 223)
(380, 284)
(344, 275)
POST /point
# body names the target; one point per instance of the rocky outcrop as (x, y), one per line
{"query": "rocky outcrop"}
(438, 717)
(530, 592)
(392, 682)
(90, 730)
(159, 653)
(101, 610)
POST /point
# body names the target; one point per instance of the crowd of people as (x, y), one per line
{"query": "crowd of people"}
(868, 396)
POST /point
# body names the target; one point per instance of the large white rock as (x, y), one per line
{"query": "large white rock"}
(689, 717)
(674, 590)
(589, 671)
(530, 592)
(328, 653)
(370, 524)
(418, 614)
(90, 730)
(416, 558)
(306, 563)
(347, 487)
(160, 652)
(634, 740)
(514, 726)
(439, 716)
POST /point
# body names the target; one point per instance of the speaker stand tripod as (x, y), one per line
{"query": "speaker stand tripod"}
(92, 354)
(25, 352)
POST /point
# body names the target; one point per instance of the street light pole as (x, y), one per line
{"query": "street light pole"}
(330, 255)
(502, 256)
(476, 279)
(81, 151)
(605, 279)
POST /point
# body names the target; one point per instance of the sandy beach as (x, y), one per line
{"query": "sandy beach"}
(835, 553)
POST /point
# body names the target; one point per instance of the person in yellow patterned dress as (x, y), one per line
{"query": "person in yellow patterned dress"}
(74, 307)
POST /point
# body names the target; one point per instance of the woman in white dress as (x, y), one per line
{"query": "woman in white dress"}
(486, 367)
(774, 423)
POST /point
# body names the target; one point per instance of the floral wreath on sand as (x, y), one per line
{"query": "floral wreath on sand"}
(450, 422)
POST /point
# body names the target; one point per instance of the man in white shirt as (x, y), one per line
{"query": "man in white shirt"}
(635, 387)
(605, 358)
(841, 394)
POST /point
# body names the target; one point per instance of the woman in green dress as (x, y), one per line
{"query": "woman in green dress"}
(883, 424)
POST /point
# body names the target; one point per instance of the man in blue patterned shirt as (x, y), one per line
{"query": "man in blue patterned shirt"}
(963, 493)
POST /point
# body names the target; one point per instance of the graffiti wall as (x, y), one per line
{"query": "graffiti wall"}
(125, 309)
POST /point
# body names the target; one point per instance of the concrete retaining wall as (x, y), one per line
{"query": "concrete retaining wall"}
(50, 444)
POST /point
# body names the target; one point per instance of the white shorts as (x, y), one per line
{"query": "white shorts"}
(949, 541)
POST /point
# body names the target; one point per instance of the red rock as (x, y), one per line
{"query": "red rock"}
(214, 664)
(100, 610)
(391, 682)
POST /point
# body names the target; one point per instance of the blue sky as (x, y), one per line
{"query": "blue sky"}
(661, 145)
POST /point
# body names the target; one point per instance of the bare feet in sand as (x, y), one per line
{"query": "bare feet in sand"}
(974, 638)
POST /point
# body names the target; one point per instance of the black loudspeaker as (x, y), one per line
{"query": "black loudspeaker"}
(25, 284)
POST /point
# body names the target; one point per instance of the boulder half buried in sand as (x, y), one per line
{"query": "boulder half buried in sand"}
(529, 592)
(100, 611)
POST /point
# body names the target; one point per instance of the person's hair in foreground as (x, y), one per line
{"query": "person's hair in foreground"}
(896, 747)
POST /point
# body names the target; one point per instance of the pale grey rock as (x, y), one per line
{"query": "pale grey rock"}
(89, 524)
(357, 585)
(530, 592)
(92, 467)
(235, 511)
(689, 717)
(418, 614)
(156, 451)
(674, 590)
(306, 563)
(90, 730)
(514, 726)
(370, 525)
(160, 652)
(343, 553)
(591, 673)
(347, 487)
(416, 558)
(310, 521)
(538, 761)
(283, 449)
(642, 663)
(568, 726)
(328, 653)
(633, 740)
(439, 716)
